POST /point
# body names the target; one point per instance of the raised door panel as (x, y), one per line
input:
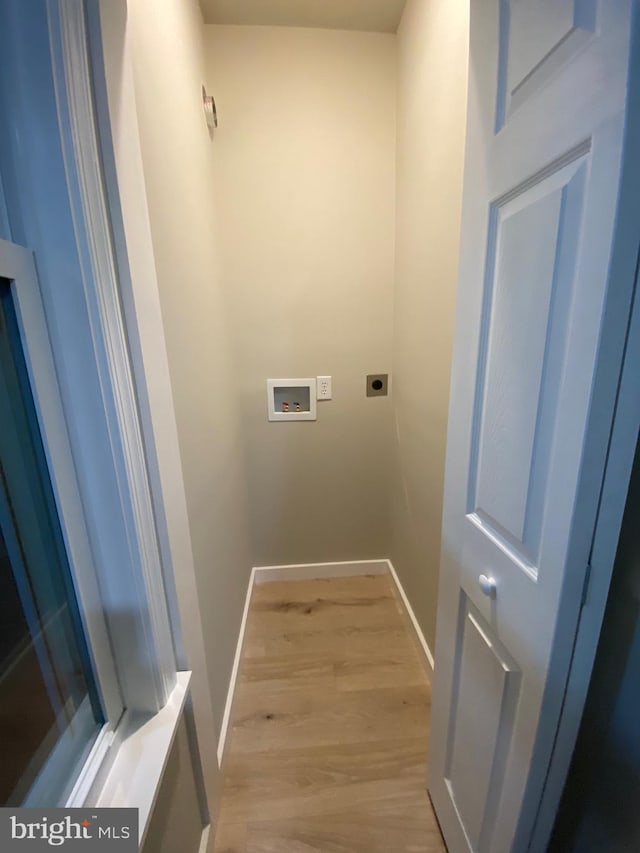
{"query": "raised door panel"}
(537, 38)
(533, 242)
(486, 688)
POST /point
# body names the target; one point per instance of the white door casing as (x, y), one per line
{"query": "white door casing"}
(547, 86)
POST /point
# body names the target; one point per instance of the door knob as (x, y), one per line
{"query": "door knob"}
(488, 585)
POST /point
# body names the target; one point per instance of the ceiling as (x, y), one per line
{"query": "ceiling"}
(381, 16)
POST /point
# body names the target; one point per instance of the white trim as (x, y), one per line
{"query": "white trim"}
(58, 208)
(143, 747)
(5, 229)
(205, 838)
(48, 188)
(148, 687)
(309, 571)
(423, 646)
(231, 691)
(17, 264)
(92, 766)
(116, 108)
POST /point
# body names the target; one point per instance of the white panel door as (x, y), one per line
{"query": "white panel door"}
(545, 126)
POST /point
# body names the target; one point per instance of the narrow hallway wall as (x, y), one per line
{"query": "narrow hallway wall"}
(304, 184)
(167, 55)
(432, 81)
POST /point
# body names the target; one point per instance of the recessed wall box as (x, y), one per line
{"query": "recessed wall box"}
(377, 384)
(291, 399)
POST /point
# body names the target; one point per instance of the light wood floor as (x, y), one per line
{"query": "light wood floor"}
(330, 726)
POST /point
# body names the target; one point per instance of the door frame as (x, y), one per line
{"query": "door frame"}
(111, 49)
(616, 376)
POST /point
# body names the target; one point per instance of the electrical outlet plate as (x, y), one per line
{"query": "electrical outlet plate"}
(323, 386)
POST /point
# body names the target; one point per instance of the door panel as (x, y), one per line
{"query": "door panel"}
(537, 39)
(534, 232)
(544, 143)
(486, 689)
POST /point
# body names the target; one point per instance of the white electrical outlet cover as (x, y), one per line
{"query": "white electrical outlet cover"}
(323, 385)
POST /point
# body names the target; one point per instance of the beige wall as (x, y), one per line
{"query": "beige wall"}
(167, 56)
(176, 824)
(432, 79)
(275, 242)
(304, 183)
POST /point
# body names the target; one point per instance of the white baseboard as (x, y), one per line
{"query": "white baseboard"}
(310, 571)
(228, 707)
(423, 646)
(205, 838)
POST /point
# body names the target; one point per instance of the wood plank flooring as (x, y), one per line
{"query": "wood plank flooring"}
(330, 726)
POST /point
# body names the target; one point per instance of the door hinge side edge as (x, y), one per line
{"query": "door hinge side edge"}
(585, 585)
